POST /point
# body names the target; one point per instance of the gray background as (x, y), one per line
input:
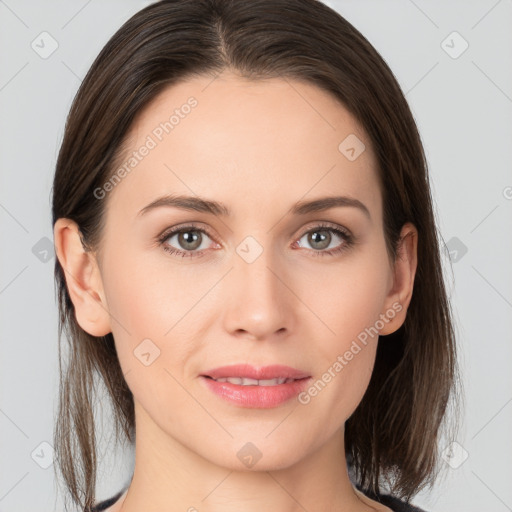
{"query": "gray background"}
(463, 106)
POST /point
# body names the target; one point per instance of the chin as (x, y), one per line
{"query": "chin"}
(257, 454)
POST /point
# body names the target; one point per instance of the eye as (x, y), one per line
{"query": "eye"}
(188, 238)
(321, 237)
(192, 241)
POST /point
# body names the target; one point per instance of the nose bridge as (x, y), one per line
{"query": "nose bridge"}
(255, 266)
(258, 302)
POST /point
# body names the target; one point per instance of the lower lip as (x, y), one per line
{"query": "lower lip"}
(257, 397)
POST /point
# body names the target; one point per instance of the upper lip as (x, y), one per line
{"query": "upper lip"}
(258, 373)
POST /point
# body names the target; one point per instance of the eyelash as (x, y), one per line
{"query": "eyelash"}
(345, 235)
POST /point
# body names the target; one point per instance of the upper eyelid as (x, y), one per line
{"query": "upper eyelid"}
(193, 226)
(190, 227)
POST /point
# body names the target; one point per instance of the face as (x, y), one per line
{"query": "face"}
(272, 283)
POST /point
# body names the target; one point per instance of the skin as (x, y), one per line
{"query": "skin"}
(259, 147)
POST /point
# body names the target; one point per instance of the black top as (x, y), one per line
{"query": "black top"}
(103, 505)
(394, 503)
(389, 501)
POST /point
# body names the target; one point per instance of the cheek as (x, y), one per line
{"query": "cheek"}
(348, 299)
(147, 312)
(147, 299)
(159, 315)
(143, 308)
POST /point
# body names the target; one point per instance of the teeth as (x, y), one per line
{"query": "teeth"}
(253, 382)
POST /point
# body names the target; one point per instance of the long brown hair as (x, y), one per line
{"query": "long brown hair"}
(394, 432)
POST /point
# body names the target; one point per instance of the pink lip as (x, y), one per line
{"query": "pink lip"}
(250, 372)
(257, 397)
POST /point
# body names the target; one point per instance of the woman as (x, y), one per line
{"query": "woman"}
(248, 258)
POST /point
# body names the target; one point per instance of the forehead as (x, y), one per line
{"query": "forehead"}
(261, 139)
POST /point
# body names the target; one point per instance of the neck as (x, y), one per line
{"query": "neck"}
(170, 476)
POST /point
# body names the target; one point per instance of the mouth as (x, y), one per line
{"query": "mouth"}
(256, 387)
(249, 375)
(245, 381)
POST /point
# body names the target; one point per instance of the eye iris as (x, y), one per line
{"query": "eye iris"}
(185, 238)
(313, 239)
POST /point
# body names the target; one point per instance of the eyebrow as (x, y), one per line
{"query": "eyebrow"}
(199, 204)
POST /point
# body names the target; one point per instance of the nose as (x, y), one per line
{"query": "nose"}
(259, 304)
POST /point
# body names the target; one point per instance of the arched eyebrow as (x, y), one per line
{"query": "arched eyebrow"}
(203, 205)
(325, 203)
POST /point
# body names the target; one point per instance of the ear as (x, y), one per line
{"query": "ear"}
(83, 278)
(404, 271)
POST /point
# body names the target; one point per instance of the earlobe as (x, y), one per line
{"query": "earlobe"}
(83, 279)
(399, 297)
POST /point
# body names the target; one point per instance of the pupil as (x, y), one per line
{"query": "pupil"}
(188, 239)
(314, 239)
